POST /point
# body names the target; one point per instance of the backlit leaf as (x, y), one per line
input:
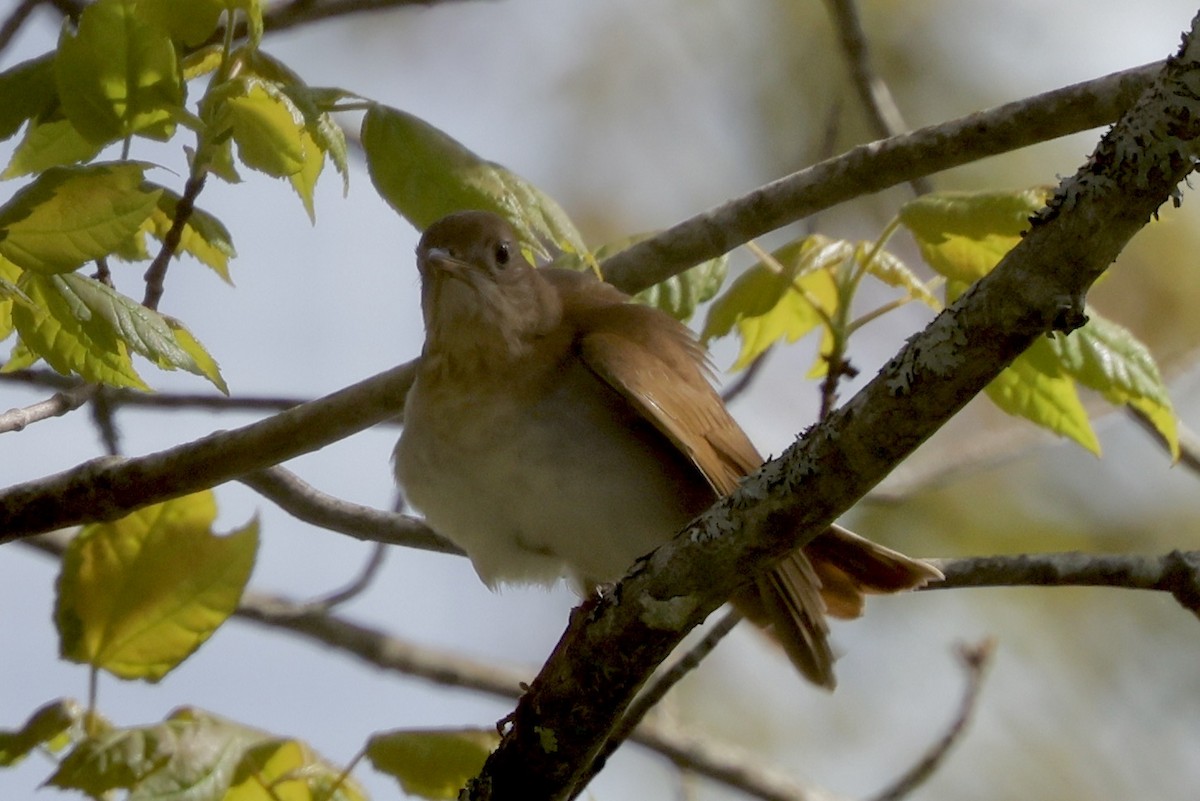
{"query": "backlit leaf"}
(425, 174)
(288, 769)
(47, 144)
(118, 74)
(1036, 387)
(680, 294)
(766, 306)
(137, 596)
(964, 235)
(266, 125)
(26, 90)
(190, 23)
(206, 364)
(204, 236)
(432, 763)
(891, 270)
(72, 215)
(47, 727)
(71, 340)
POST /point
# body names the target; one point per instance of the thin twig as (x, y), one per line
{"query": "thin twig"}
(305, 502)
(654, 693)
(883, 114)
(60, 403)
(157, 271)
(356, 587)
(747, 377)
(975, 660)
(13, 22)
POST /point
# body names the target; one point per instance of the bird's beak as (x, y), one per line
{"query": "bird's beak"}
(440, 260)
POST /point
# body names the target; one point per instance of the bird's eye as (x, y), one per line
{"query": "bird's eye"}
(502, 254)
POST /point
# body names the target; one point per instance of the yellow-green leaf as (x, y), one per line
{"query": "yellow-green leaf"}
(1036, 387)
(204, 236)
(72, 215)
(137, 596)
(264, 122)
(48, 727)
(425, 174)
(71, 340)
(191, 756)
(205, 363)
(279, 769)
(1108, 358)
(26, 91)
(46, 144)
(891, 270)
(766, 305)
(304, 180)
(680, 294)
(190, 23)
(118, 74)
(432, 763)
(964, 235)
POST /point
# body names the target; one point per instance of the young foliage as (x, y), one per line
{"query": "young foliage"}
(425, 174)
(196, 756)
(432, 763)
(963, 236)
(137, 596)
(679, 295)
(49, 727)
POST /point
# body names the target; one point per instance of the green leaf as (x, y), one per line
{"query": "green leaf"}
(204, 236)
(205, 363)
(765, 305)
(1109, 359)
(424, 174)
(71, 340)
(49, 726)
(118, 75)
(432, 763)
(47, 144)
(72, 215)
(891, 270)
(190, 23)
(288, 769)
(26, 91)
(680, 294)
(192, 756)
(252, 9)
(1035, 387)
(265, 124)
(137, 596)
(964, 235)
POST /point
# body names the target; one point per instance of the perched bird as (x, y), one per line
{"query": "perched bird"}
(558, 429)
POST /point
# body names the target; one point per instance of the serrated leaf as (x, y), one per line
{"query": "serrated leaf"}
(204, 236)
(1036, 387)
(680, 294)
(26, 91)
(265, 123)
(891, 270)
(202, 61)
(425, 174)
(1109, 359)
(304, 180)
(19, 358)
(68, 337)
(47, 727)
(72, 215)
(432, 763)
(118, 75)
(49, 144)
(964, 235)
(204, 361)
(137, 596)
(192, 756)
(766, 305)
(143, 330)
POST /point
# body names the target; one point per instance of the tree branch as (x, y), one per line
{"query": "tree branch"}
(60, 403)
(1039, 287)
(872, 168)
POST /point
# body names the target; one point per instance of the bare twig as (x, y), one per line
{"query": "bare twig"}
(356, 587)
(60, 403)
(883, 114)
(1177, 572)
(747, 377)
(873, 167)
(13, 22)
(659, 687)
(309, 504)
(975, 660)
(157, 271)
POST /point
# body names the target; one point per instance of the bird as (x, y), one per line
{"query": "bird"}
(558, 429)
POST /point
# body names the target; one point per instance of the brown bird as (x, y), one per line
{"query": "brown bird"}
(558, 429)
